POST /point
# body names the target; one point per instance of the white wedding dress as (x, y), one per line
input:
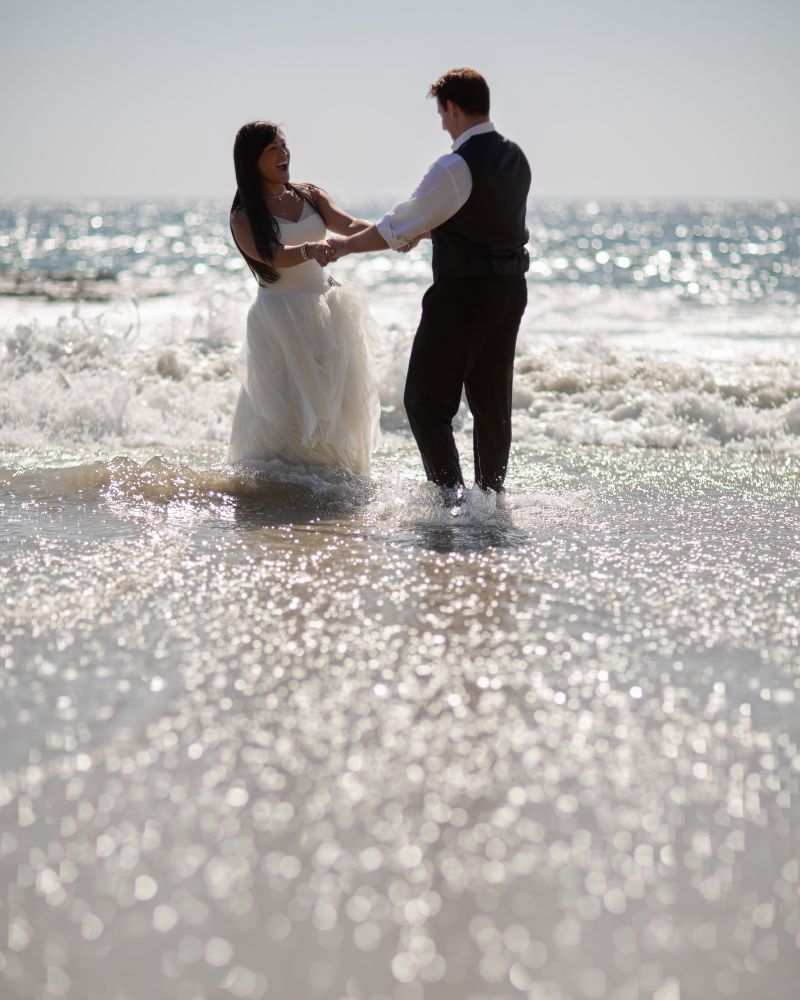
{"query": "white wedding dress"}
(309, 394)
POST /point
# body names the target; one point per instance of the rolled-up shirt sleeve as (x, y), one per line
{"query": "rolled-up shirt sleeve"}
(439, 195)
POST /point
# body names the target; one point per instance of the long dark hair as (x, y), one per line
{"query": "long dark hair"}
(251, 141)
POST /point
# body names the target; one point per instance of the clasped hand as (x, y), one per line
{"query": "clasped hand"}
(325, 251)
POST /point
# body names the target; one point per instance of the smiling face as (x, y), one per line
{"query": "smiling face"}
(273, 163)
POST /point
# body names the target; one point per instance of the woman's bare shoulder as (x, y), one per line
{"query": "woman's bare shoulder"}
(313, 191)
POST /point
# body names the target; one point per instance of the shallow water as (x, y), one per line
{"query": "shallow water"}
(268, 734)
(659, 324)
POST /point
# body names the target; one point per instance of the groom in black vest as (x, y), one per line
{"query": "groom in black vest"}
(472, 204)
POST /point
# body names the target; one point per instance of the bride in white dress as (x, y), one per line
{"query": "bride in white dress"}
(309, 395)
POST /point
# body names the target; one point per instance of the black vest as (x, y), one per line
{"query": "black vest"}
(487, 235)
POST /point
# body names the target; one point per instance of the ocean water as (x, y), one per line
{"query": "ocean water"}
(282, 732)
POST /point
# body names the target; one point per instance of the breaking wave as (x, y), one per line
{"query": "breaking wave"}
(166, 374)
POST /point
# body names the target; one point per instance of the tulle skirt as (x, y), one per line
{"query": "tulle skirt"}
(309, 392)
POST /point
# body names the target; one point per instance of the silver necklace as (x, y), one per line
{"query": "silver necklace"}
(275, 197)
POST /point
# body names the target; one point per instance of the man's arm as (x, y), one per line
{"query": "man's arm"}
(440, 194)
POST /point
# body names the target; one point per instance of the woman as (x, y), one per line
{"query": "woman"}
(309, 395)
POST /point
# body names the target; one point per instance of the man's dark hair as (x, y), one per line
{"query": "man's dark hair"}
(464, 87)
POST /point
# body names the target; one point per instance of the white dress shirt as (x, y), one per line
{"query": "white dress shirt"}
(439, 195)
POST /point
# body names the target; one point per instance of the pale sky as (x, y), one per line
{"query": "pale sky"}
(609, 98)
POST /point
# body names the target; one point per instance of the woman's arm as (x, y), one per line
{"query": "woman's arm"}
(335, 218)
(283, 257)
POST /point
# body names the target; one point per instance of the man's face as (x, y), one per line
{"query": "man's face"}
(447, 117)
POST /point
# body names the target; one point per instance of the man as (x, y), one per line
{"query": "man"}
(472, 203)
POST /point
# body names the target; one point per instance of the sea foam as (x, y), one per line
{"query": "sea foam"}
(170, 380)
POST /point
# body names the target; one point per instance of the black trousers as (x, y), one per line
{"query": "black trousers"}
(465, 340)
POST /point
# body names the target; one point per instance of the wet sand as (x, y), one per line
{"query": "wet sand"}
(286, 736)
